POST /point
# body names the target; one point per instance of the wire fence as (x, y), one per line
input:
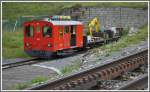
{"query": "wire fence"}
(8, 25)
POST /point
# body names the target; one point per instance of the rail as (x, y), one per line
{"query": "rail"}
(137, 84)
(22, 62)
(85, 79)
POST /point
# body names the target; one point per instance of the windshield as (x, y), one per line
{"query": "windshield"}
(47, 31)
(29, 31)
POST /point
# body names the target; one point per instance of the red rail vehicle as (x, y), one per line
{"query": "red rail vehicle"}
(43, 38)
(50, 35)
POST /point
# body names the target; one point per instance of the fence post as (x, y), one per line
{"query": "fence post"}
(15, 26)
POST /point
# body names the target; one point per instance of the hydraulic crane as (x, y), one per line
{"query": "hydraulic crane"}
(94, 25)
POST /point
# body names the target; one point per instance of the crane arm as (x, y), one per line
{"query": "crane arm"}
(94, 25)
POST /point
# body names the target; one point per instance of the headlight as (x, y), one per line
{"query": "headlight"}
(27, 44)
(49, 45)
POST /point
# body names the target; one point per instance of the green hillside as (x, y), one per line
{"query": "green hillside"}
(13, 10)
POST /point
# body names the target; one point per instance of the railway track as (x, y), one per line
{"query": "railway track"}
(88, 78)
(36, 60)
(20, 63)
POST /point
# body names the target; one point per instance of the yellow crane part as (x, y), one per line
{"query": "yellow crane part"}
(94, 25)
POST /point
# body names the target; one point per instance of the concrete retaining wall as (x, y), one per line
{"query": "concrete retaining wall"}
(118, 17)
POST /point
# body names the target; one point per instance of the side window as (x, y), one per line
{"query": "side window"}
(47, 31)
(66, 29)
(61, 32)
(38, 28)
(73, 29)
(29, 31)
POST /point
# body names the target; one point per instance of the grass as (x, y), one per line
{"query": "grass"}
(14, 10)
(12, 43)
(70, 68)
(21, 86)
(36, 80)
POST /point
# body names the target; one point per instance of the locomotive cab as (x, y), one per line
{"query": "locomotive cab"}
(38, 38)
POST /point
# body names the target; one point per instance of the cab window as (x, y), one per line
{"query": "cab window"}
(47, 31)
(29, 31)
(66, 29)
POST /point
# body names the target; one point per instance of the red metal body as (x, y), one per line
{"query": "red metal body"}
(59, 40)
